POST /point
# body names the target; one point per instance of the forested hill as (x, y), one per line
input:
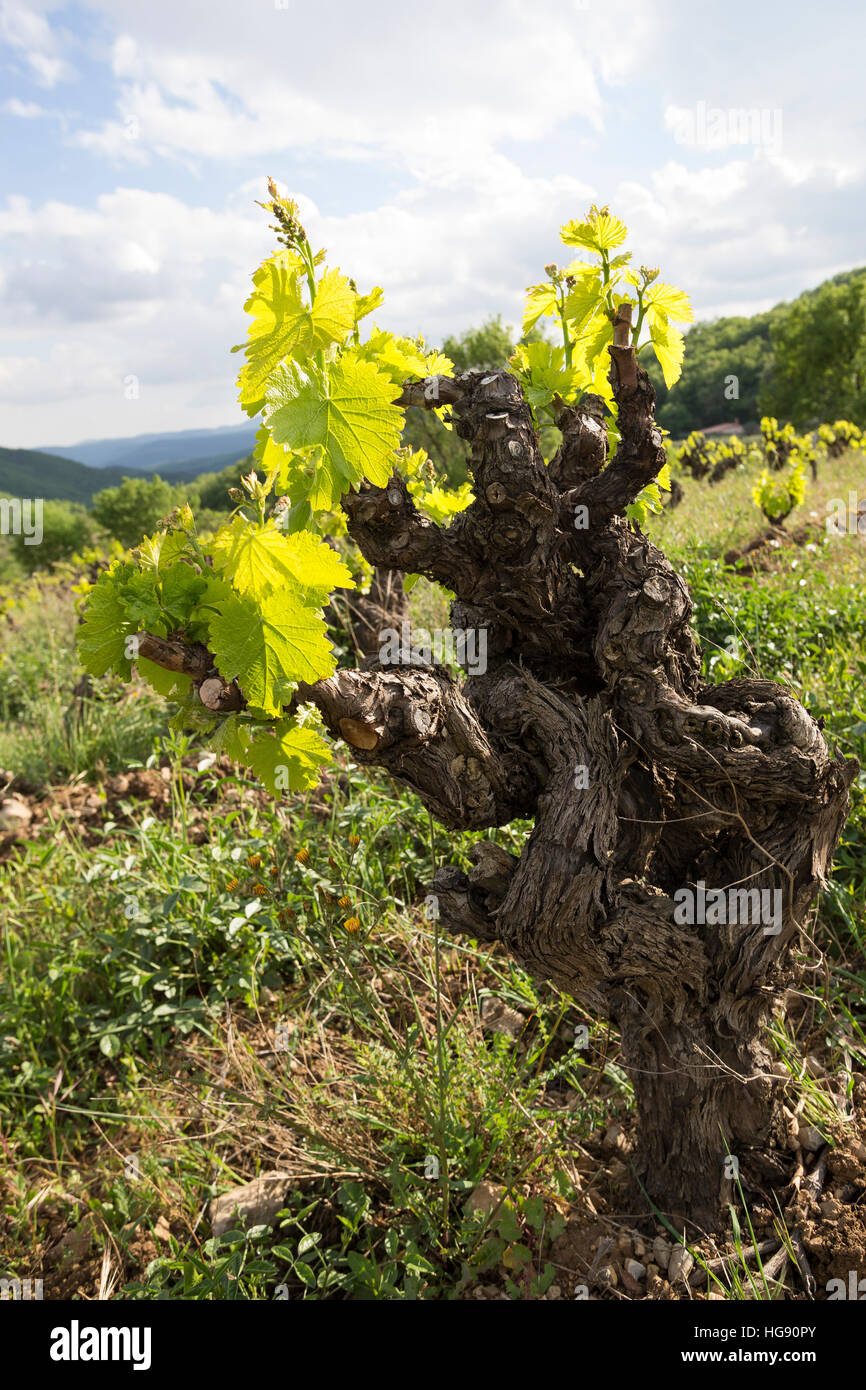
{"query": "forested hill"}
(30, 473)
(804, 361)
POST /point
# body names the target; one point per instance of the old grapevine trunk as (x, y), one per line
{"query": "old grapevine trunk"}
(592, 719)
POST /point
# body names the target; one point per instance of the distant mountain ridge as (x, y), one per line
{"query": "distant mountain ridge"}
(172, 452)
(31, 473)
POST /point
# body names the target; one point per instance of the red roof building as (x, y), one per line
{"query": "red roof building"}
(734, 428)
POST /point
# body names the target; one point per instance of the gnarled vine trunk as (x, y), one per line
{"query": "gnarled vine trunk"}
(591, 718)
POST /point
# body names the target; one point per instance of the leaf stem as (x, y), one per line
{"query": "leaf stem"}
(566, 340)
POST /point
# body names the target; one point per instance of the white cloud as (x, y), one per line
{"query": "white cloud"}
(29, 33)
(142, 283)
(432, 87)
(472, 131)
(742, 235)
(24, 110)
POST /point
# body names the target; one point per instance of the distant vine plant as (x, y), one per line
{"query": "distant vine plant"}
(245, 605)
(841, 436)
(778, 495)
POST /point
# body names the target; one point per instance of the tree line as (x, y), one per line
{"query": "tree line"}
(803, 362)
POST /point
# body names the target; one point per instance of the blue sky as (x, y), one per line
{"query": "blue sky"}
(435, 150)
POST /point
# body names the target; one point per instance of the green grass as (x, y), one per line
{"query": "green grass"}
(723, 516)
(123, 957)
(46, 733)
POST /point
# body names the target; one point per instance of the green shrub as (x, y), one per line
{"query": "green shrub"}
(136, 507)
(66, 528)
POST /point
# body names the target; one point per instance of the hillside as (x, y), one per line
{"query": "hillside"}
(745, 347)
(31, 473)
(185, 470)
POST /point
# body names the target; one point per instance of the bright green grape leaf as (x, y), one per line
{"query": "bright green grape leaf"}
(597, 337)
(284, 325)
(637, 511)
(315, 566)
(140, 597)
(215, 593)
(269, 644)
(106, 626)
(537, 357)
(649, 499)
(666, 301)
(441, 504)
(599, 383)
(276, 285)
(288, 760)
(543, 373)
(399, 358)
(174, 545)
(148, 550)
(583, 301)
(414, 465)
(311, 478)
(160, 601)
(585, 307)
(405, 359)
(601, 233)
(270, 456)
(161, 550)
(172, 685)
(302, 476)
(181, 589)
(275, 304)
(259, 559)
(227, 739)
(540, 303)
(669, 346)
(437, 364)
(245, 553)
(332, 316)
(581, 270)
(299, 517)
(367, 303)
(349, 414)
